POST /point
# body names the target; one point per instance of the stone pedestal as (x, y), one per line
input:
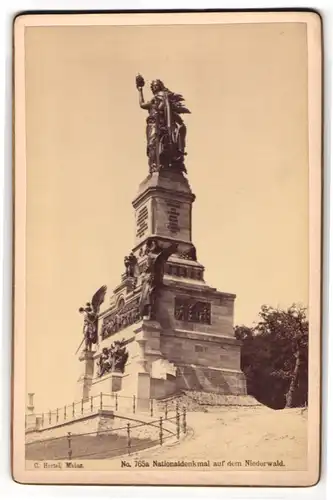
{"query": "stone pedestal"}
(141, 362)
(85, 381)
(163, 208)
(107, 384)
(148, 336)
(143, 392)
(116, 379)
(192, 344)
(142, 374)
(30, 406)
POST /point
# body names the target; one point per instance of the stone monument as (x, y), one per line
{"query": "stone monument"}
(165, 329)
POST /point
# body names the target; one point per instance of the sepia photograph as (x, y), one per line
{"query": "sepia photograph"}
(167, 263)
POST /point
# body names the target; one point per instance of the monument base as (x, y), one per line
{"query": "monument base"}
(107, 384)
(85, 380)
(164, 361)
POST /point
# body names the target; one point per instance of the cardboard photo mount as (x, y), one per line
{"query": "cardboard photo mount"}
(29, 220)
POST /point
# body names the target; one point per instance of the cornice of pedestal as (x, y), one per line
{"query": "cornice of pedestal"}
(86, 355)
(164, 183)
(202, 336)
(147, 325)
(157, 190)
(187, 285)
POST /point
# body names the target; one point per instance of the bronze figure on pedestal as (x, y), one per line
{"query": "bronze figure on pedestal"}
(166, 130)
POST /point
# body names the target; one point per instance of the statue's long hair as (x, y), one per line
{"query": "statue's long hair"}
(176, 100)
(159, 83)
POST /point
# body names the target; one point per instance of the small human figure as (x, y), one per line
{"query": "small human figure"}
(120, 356)
(90, 323)
(104, 362)
(130, 262)
(180, 312)
(89, 326)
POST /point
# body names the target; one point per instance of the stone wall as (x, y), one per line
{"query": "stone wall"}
(209, 379)
(106, 422)
(203, 350)
(161, 388)
(82, 425)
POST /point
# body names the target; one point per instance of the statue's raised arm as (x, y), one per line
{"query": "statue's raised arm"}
(140, 83)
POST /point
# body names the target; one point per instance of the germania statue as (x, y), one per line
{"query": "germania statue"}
(166, 130)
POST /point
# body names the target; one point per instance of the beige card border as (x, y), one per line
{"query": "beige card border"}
(183, 477)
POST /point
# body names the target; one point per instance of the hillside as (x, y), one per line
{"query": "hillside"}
(237, 434)
(219, 433)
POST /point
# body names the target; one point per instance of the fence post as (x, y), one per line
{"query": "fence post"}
(116, 401)
(91, 404)
(65, 412)
(73, 409)
(50, 416)
(184, 419)
(101, 401)
(42, 419)
(81, 406)
(178, 422)
(151, 407)
(69, 446)
(57, 415)
(166, 411)
(26, 421)
(161, 431)
(129, 438)
(133, 403)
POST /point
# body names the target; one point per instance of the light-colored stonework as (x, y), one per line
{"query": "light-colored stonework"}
(191, 344)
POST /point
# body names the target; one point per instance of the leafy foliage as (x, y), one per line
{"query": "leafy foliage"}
(274, 356)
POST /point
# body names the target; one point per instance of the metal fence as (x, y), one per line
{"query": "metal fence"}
(112, 442)
(93, 404)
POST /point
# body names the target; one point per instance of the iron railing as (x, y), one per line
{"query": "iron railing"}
(90, 445)
(93, 404)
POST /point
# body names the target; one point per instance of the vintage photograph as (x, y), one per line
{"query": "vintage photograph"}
(167, 249)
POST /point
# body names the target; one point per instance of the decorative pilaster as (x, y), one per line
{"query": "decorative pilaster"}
(141, 349)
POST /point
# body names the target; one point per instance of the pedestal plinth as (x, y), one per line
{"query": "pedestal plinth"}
(142, 373)
(143, 392)
(87, 357)
(107, 384)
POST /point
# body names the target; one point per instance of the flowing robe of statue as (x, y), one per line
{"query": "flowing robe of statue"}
(165, 130)
(152, 281)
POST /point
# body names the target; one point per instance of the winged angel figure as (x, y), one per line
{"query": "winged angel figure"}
(152, 281)
(90, 312)
(166, 130)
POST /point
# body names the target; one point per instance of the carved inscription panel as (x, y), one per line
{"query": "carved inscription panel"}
(142, 222)
(173, 216)
(192, 311)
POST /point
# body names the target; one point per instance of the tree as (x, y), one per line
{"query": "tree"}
(274, 356)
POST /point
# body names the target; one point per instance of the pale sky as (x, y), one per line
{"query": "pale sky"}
(247, 163)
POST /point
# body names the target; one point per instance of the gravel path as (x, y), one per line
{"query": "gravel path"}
(239, 434)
